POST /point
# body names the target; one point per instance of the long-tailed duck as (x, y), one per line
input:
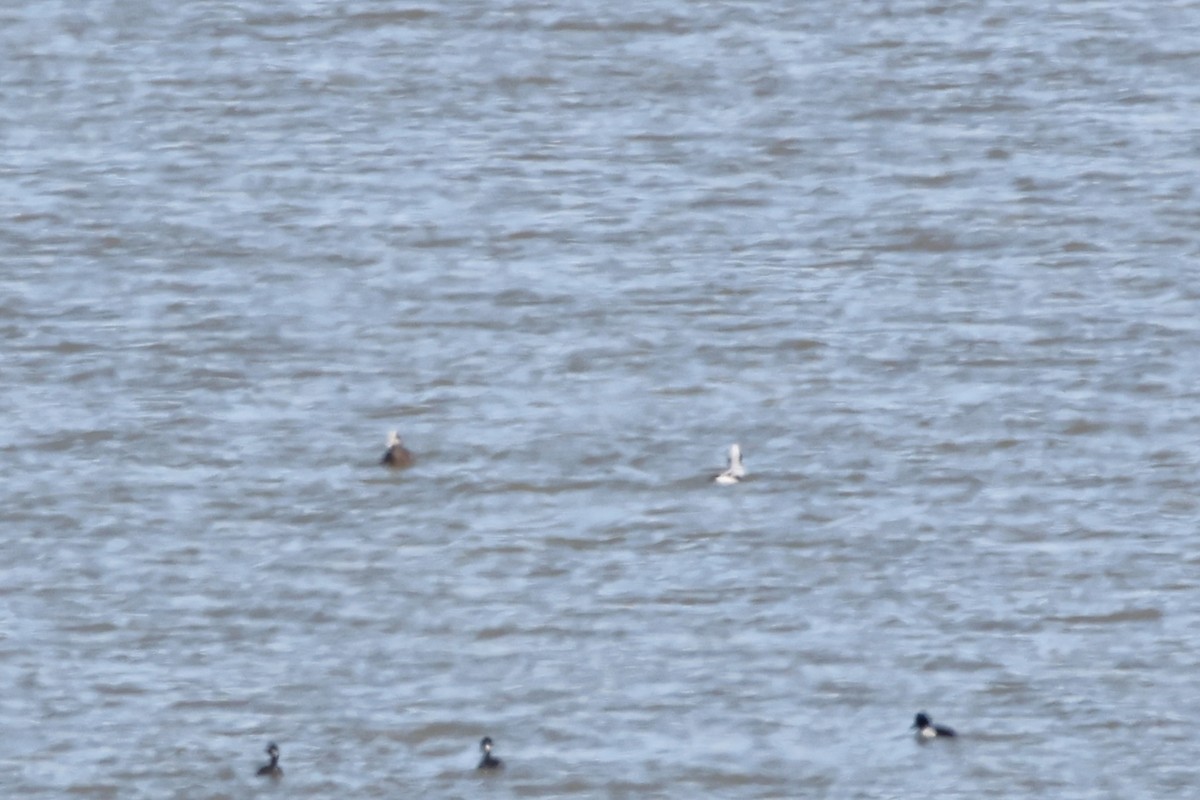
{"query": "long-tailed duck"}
(397, 454)
(736, 471)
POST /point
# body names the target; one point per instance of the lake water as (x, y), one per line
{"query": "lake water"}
(932, 263)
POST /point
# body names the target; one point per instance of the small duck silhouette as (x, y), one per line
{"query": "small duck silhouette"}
(926, 730)
(397, 455)
(272, 770)
(736, 470)
(488, 761)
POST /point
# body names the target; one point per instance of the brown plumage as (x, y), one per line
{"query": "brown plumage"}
(397, 455)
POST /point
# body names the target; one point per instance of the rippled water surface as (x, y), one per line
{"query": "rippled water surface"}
(931, 263)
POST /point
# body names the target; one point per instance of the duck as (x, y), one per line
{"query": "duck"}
(927, 730)
(488, 761)
(397, 454)
(736, 470)
(272, 770)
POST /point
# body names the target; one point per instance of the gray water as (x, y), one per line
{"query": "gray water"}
(933, 265)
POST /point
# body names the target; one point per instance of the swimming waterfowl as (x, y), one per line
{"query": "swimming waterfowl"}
(272, 770)
(397, 454)
(927, 730)
(488, 761)
(736, 471)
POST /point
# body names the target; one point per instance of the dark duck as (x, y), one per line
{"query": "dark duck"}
(272, 770)
(488, 761)
(926, 730)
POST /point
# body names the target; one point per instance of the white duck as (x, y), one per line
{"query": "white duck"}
(736, 470)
